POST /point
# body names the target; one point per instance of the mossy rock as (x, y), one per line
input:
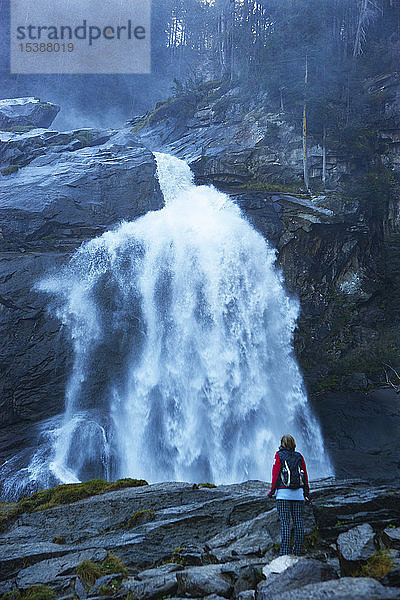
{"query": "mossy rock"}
(85, 136)
(137, 518)
(10, 169)
(63, 494)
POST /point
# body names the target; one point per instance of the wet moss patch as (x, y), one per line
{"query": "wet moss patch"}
(89, 571)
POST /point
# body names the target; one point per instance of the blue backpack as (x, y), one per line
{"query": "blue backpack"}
(291, 474)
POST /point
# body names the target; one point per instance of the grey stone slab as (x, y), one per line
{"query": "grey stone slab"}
(46, 571)
(202, 581)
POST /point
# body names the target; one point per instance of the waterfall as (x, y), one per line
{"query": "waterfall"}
(181, 331)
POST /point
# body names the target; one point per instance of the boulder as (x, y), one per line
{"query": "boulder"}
(103, 581)
(247, 595)
(346, 588)
(254, 537)
(355, 547)
(391, 537)
(197, 582)
(247, 580)
(151, 587)
(392, 578)
(299, 572)
(26, 112)
(159, 571)
(280, 564)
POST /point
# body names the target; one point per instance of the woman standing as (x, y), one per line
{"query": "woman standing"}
(290, 481)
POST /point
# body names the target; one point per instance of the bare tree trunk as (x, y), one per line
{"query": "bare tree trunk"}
(324, 157)
(305, 166)
(357, 41)
(281, 96)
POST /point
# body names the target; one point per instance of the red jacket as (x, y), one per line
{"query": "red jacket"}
(276, 469)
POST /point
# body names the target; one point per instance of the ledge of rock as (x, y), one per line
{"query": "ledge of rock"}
(17, 113)
(204, 542)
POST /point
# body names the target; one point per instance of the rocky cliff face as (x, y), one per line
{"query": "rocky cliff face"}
(60, 188)
(335, 245)
(56, 190)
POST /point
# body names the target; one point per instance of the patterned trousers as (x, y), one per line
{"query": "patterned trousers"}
(291, 509)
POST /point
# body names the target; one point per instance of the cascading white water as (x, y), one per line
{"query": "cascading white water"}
(182, 348)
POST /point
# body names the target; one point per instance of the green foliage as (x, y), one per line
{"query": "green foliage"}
(373, 189)
(64, 494)
(327, 383)
(105, 590)
(34, 592)
(339, 523)
(206, 485)
(10, 169)
(89, 571)
(377, 566)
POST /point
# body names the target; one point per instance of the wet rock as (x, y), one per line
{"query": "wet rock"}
(346, 588)
(5, 586)
(391, 537)
(393, 577)
(247, 580)
(247, 595)
(47, 209)
(280, 564)
(361, 450)
(47, 571)
(80, 589)
(299, 572)
(185, 519)
(22, 148)
(152, 587)
(104, 581)
(15, 555)
(253, 537)
(355, 547)
(198, 582)
(26, 112)
(355, 382)
(159, 571)
(339, 506)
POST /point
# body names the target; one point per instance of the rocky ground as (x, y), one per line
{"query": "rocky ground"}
(198, 541)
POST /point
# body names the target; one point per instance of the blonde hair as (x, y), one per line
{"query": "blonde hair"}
(288, 442)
